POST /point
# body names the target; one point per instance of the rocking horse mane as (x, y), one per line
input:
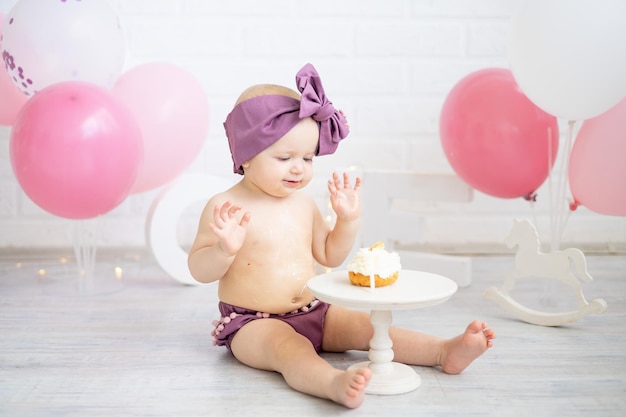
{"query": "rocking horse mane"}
(521, 229)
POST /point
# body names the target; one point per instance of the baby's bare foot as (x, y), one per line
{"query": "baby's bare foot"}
(349, 387)
(463, 349)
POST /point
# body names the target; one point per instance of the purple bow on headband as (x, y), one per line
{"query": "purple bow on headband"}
(256, 123)
(313, 103)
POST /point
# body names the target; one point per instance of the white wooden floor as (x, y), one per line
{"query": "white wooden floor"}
(144, 349)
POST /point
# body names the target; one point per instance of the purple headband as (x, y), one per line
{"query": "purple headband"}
(255, 124)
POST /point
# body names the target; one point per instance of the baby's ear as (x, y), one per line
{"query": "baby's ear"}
(245, 164)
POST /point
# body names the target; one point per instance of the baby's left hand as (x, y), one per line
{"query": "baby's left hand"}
(344, 199)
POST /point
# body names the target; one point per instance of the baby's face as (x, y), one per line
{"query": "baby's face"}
(287, 165)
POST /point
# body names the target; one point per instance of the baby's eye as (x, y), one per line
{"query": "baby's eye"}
(283, 158)
(308, 159)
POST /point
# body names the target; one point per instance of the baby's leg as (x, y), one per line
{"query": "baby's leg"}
(273, 345)
(346, 329)
(453, 355)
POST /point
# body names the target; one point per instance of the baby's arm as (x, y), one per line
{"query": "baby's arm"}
(220, 236)
(331, 247)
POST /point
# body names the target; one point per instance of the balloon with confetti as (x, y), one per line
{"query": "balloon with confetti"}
(45, 42)
(11, 98)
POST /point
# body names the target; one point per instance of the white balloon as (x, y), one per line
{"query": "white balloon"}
(569, 56)
(46, 42)
(162, 221)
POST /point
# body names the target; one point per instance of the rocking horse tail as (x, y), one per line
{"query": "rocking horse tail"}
(580, 264)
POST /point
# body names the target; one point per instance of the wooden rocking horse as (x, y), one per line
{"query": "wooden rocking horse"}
(531, 262)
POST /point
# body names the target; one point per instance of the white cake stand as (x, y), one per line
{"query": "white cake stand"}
(413, 289)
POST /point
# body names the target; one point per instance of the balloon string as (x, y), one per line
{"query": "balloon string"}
(552, 198)
(568, 148)
(84, 237)
(559, 209)
(534, 212)
(548, 287)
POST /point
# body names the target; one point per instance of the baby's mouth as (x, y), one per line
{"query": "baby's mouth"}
(292, 183)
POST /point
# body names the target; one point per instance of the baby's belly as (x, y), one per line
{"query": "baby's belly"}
(268, 294)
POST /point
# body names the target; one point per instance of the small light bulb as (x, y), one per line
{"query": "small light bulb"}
(118, 272)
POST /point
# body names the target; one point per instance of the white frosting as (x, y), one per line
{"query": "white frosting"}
(376, 261)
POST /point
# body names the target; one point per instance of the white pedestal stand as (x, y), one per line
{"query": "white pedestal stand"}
(413, 289)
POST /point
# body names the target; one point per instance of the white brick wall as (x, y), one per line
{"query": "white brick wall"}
(388, 64)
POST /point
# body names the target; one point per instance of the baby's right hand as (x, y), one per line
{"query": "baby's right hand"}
(230, 231)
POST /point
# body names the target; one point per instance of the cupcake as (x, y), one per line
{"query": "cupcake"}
(374, 261)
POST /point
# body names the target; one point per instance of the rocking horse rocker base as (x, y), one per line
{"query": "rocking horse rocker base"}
(597, 306)
(531, 262)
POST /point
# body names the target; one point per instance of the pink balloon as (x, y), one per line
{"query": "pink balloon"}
(173, 112)
(496, 139)
(75, 150)
(11, 98)
(597, 172)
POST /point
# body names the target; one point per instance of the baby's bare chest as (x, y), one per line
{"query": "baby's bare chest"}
(279, 237)
(280, 232)
(281, 219)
